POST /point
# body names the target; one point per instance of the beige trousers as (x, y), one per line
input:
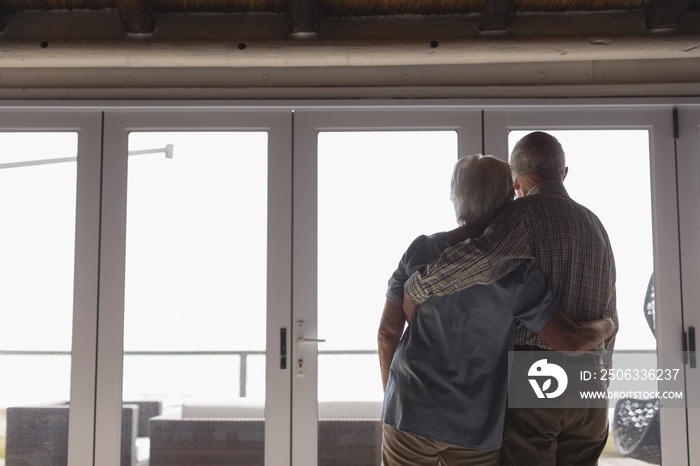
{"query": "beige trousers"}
(403, 449)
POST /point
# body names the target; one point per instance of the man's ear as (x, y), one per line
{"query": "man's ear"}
(566, 172)
(516, 183)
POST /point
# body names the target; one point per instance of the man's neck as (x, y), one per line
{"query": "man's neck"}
(526, 183)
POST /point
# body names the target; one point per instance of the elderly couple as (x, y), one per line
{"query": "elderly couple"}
(548, 283)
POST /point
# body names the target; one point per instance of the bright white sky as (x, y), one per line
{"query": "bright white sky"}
(368, 217)
(363, 232)
(196, 236)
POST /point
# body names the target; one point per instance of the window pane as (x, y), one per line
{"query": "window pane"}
(37, 241)
(597, 160)
(195, 300)
(377, 191)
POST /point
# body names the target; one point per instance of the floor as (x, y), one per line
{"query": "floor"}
(609, 458)
(609, 461)
(601, 462)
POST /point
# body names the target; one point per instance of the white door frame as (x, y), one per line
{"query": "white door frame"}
(689, 212)
(87, 124)
(659, 122)
(117, 126)
(93, 404)
(307, 125)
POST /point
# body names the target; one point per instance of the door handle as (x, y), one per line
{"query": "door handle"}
(301, 342)
(304, 341)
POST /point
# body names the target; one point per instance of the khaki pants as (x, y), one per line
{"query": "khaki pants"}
(404, 449)
(554, 436)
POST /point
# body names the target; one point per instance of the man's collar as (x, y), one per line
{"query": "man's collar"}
(548, 187)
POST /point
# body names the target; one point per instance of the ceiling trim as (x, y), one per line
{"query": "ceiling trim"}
(88, 55)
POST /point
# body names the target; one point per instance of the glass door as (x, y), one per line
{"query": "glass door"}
(366, 184)
(205, 202)
(625, 174)
(48, 261)
(689, 200)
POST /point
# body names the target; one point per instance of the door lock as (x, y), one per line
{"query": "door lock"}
(691, 348)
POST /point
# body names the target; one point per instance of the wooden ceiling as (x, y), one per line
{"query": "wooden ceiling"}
(308, 16)
(348, 48)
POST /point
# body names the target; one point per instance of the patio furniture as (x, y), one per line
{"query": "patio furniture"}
(209, 434)
(147, 410)
(37, 435)
(636, 422)
(650, 306)
(636, 429)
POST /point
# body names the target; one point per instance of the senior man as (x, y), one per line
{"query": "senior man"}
(574, 253)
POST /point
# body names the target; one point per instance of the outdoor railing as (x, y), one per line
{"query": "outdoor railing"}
(243, 355)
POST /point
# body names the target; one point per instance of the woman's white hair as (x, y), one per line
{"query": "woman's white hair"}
(481, 186)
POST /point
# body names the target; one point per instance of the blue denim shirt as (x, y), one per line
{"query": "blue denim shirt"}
(448, 379)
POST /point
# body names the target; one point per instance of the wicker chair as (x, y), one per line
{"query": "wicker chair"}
(636, 429)
(636, 425)
(349, 434)
(37, 435)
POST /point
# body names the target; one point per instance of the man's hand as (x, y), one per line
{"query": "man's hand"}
(567, 336)
(409, 307)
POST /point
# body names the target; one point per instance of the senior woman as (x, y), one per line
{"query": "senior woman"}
(446, 379)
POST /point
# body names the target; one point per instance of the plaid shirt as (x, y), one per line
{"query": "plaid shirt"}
(568, 241)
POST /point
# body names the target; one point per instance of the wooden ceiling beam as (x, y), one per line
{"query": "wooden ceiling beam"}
(304, 16)
(666, 14)
(495, 15)
(137, 16)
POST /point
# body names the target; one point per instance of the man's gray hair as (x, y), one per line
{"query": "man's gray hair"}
(539, 154)
(481, 186)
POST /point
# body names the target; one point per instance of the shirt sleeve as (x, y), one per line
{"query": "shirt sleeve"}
(481, 261)
(533, 301)
(406, 266)
(611, 311)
